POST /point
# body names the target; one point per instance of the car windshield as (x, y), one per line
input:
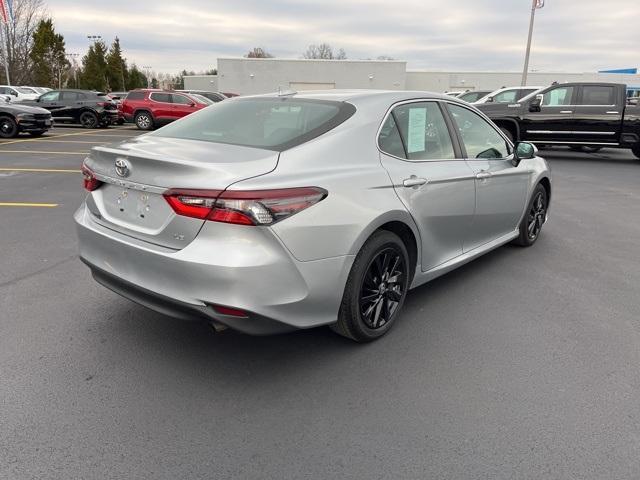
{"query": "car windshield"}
(269, 123)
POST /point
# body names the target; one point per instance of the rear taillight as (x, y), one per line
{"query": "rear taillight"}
(89, 179)
(252, 207)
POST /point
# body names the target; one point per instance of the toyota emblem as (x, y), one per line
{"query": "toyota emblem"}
(122, 167)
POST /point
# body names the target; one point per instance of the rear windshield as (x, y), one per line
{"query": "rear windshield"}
(268, 123)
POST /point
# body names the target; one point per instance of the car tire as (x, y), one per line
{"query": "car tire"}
(534, 218)
(636, 151)
(37, 133)
(507, 133)
(8, 127)
(144, 121)
(371, 303)
(88, 119)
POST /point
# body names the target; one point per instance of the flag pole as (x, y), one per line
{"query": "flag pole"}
(525, 71)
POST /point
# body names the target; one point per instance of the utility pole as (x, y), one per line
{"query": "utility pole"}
(535, 4)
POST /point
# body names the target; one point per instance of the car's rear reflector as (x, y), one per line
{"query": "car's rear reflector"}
(232, 312)
(243, 207)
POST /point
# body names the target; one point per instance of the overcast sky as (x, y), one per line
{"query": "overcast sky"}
(466, 35)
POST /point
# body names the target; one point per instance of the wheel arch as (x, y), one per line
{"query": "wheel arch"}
(402, 224)
(510, 125)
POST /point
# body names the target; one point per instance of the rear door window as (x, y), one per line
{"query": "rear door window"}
(269, 123)
(422, 130)
(598, 95)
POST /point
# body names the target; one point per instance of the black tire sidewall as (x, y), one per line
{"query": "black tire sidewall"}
(350, 314)
(13, 132)
(636, 151)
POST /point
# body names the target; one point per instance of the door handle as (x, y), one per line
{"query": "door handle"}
(566, 111)
(483, 175)
(414, 181)
(613, 112)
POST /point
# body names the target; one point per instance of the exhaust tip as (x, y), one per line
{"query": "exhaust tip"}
(217, 326)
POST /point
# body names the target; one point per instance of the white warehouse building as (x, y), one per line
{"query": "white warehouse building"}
(246, 76)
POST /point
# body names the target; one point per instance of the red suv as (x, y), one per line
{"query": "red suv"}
(150, 108)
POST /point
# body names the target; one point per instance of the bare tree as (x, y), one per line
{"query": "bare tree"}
(18, 37)
(324, 51)
(258, 52)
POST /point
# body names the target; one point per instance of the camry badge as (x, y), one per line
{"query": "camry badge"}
(122, 167)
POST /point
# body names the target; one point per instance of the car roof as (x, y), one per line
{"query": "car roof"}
(354, 96)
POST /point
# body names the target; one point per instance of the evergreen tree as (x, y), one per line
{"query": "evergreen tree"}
(94, 68)
(135, 78)
(116, 67)
(47, 54)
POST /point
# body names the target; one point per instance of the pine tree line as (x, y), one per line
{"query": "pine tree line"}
(103, 68)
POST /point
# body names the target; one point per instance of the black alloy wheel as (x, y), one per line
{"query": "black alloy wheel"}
(88, 119)
(376, 288)
(8, 127)
(382, 288)
(536, 216)
(534, 219)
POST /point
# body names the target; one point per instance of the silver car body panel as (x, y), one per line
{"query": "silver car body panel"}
(294, 272)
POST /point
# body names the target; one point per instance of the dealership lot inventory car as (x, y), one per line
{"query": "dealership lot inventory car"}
(151, 108)
(16, 118)
(19, 94)
(88, 108)
(277, 212)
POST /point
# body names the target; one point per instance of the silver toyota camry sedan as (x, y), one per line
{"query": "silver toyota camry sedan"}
(286, 211)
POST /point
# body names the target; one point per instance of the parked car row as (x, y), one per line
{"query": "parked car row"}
(501, 95)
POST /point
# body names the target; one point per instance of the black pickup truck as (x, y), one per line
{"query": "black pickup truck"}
(578, 115)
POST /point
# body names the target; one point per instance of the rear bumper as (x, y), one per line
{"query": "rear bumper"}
(230, 265)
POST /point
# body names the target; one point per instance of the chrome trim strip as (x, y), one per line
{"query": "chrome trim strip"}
(127, 184)
(570, 132)
(546, 142)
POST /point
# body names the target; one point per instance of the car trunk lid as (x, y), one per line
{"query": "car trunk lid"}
(137, 172)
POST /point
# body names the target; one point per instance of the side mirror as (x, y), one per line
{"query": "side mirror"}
(192, 104)
(490, 100)
(524, 151)
(534, 105)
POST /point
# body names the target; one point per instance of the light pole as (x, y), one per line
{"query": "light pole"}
(535, 4)
(148, 69)
(95, 38)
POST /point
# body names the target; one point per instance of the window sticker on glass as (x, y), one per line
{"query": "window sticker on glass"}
(416, 130)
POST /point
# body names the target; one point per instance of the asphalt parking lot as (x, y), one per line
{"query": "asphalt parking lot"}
(522, 364)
